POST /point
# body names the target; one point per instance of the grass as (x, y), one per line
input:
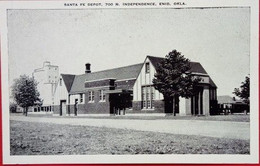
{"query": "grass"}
(232, 117)
(31, 138)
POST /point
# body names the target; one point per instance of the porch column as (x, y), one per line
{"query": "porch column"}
(205, 102)
(193, 103)
(199, 103)
(182, 108)
(188, 106)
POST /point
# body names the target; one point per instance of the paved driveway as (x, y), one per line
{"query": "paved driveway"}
(220, 129)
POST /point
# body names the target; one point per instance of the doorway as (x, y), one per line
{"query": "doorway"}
(63, 108)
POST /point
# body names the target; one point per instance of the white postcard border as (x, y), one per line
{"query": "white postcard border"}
(254, 136)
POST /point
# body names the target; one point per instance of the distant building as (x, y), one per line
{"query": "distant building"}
(228, 104)
(128, 90)
(47, 78)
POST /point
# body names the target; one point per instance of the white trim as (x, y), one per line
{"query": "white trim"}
(96, 87)
(101, 79)
(147, 109)
(126, 79)
(200, 74)
(147, 85)
(93, 115)
(102, 95)
(41, 112)
(145, 114)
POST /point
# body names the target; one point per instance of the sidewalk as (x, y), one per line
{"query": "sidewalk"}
(219, 129)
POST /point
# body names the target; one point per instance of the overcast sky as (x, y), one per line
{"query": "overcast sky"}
(218, 38)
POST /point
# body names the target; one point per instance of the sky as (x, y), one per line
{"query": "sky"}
(218, 38)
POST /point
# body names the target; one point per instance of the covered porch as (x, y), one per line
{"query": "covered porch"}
(119, 100)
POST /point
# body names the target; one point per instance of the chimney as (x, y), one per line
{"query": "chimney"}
(87, 68)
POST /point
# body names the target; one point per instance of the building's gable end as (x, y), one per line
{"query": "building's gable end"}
(196, 68)
(61, 91)
(155, 61)
(68, 80)
(145, 79)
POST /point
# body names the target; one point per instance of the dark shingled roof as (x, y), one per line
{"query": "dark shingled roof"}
(76, 83)
(196, 67)
(120, 73)
(68, 80)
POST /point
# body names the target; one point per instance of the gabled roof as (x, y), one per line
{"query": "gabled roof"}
(76, 83)
(127, 72)
(196, 67)
(68, 80)
(225, 99)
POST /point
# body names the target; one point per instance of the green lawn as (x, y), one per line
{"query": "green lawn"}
(28, 138)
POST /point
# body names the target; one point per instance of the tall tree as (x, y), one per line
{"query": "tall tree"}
(25, 93)
(244, 91)
(173, 78)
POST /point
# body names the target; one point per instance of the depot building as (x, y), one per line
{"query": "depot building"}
(128, 90)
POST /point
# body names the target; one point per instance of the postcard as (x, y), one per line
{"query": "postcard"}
(121, 82)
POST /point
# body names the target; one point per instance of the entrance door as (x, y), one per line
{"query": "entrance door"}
(119, 102)
(63, 108)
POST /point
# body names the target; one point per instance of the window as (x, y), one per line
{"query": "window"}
(91, 96)
(143, 97)
(147, 67)
(81, 98)
(152, 97)
(102, 96)
(60, 81)
(148, 97)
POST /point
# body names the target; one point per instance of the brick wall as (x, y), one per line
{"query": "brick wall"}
(56, 109)
(137, 107)
(127, 84)
(72, 109)
(159, 106)
(96, 107)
